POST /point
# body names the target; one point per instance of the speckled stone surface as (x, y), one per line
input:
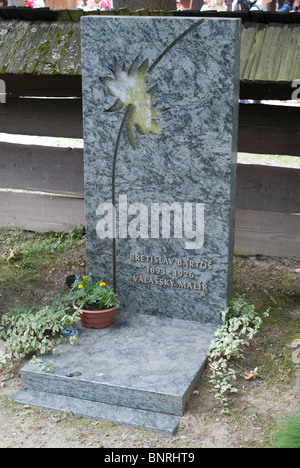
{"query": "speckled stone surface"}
(121, 415)
(144, 363)
(192, 160)
(143, 369)
(140, 361)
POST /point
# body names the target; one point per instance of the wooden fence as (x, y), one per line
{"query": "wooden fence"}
(42, 189)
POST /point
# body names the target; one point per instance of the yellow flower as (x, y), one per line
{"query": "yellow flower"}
(102, 284)
(80, 286)
(84, 277)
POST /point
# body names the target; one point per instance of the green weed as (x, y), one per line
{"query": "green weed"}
(288, 436)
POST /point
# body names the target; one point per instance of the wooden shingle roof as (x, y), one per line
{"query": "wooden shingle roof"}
(40, 48)
(270, 52)
(44, 42)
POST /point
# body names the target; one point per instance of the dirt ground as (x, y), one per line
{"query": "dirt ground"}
(256, 410)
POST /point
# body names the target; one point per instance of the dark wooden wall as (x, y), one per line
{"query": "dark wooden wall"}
(41, 188)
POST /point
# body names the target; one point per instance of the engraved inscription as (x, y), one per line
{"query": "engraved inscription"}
(180, 273)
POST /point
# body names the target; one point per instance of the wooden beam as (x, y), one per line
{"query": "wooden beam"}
(265, 188)
(260, 232)
(263, 129)
(264, 90)
(256, 232)
(40, 213)
(43, 85)
(42, 117)
(60, 170)
(268, 129)
(42, 168)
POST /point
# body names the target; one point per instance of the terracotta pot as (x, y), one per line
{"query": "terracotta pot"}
(96, 318)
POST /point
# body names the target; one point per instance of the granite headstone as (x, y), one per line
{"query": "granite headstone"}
(160, 99)
(160, 124)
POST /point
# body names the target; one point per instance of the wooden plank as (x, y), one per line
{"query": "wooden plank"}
(267, 129)
(43, 85)
(42, 117)
(269, 59)
(273, 53)
(255, 52)
(60, 170)
(264, 90)
(40, 213)
(60, 4)
(43, 168)
(247, 40)
(274, 234)
(133, 5)
(256, 232)
(263, 129)
(40, 48)
(289, 44)
(265, 188)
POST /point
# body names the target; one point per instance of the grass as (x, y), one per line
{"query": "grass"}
(269, 160)
(34, 265)
(288, 436)
(278, 289)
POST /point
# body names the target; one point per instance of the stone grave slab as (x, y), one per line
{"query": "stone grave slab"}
(139, 372)
(160, 110)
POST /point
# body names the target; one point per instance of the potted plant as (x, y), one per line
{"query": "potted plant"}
(96, 301)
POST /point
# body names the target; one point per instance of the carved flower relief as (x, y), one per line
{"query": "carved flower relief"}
(130, 89)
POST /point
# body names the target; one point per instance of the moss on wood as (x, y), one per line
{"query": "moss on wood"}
(270, 52)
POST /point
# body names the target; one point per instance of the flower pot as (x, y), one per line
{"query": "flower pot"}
(96, 318)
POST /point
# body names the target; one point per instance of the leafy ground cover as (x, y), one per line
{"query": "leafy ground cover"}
(33, 270)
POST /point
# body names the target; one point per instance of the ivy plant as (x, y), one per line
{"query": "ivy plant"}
(35, 330)
(241, 323)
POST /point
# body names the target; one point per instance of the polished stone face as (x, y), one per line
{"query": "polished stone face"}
(160, 125)
(139, 372)
(160, 100)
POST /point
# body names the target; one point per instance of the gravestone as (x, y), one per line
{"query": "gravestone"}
(160, 125)
(160, 100)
